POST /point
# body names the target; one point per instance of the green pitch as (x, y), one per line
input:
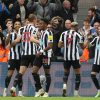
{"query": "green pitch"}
(49, 98)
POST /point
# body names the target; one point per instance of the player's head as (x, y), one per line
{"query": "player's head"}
(74, 26)
(17, 25)
(32, 18)
(43, 24)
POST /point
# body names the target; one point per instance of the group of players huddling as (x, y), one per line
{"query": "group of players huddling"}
(31, 45)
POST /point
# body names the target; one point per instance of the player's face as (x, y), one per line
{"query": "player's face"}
(17, 25)
(41, 25)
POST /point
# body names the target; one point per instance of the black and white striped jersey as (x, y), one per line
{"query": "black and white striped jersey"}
(15, 51)
(28, 48)
(96, 43)
(46, 37)
(71, 41)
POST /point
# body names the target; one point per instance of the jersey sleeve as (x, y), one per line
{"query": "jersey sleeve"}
(61, 38)
(80, 37)
(93, 42)
(20, 32)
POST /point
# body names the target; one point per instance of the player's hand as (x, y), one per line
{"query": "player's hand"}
(38, 54)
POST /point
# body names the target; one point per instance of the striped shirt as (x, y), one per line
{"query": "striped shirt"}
(46, 37)
(28, 48)
(71, 41)
(15, 51)
(96, 43)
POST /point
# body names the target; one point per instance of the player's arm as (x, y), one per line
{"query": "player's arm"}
(60, 43)
(50, 44)
(17, 40)
(81, 40)
(34, 39)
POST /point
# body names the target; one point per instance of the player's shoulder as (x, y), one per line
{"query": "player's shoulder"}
(65, 32)
(49, 32)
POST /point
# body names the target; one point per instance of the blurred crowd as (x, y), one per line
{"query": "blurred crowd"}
(59, 13)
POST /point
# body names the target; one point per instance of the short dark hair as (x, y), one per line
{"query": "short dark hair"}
(31, 17)
(45, 20)
(7, 20)
(92, 9)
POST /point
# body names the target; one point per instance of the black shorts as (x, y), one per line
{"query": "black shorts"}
(27, 60)
(42, 60)
(14, 64)
(96, 68)
(75, 64)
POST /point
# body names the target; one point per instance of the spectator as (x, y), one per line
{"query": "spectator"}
(4, 14)
(66, 12)
(57, 25)
(19, 11)
(67, 25)
(3, 50)
(74, 7)
(85, 30)
(44, 9)
(49, 27)
(96, 25)
(9, 26)
(9, 3)
(93, 16)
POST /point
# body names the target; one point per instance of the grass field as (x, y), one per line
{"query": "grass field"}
(50, 98)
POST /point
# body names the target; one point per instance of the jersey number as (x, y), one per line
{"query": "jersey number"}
(26, 37)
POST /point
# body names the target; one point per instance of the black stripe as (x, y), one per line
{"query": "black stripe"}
(46, 43)
(67, 45)
(76, 41)
(71, 52)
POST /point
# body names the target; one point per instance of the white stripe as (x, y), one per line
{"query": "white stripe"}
(65, 36)
(12, 50)
(98, 62)
(25, 48)
(95, 53)
(69, 46)
(73, 48)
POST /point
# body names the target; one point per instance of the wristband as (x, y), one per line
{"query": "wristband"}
(41, 51)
